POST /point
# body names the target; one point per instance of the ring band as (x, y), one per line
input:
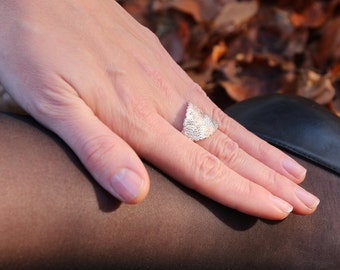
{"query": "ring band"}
(197, 125)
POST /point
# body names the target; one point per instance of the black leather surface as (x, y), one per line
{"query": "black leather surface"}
(295, 124)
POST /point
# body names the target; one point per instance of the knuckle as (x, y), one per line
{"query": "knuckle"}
(244, 189)
(139, 118)
(142, 111)
(273, 181)
(158, 80)
(228, 151)
(208, 170)
(263, 148)
(197, 88)
(52, 102)
(140, 107)
(153, 75)
(149, 35)
(44, 104)
(226, 123)
(245, 192)
(95, 151)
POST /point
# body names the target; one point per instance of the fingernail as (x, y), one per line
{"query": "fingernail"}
(281, 204)
(126, 185)
(307, 198)
(294, 168)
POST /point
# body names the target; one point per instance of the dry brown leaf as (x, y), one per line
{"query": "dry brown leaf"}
(188, 6)
(252, 47)
(200, 10)
(246, 80)
(137, 8)
(236, 91)
(233, 15)
(334, 107)
(290, 4)
(316, 87)
(176, 39)
(297, 43)
(328, 48)
(313, 16)
(335, 104)
(218, 51)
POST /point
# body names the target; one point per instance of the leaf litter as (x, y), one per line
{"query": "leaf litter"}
(241, 49)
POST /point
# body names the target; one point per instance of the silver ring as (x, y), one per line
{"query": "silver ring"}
(197, 125)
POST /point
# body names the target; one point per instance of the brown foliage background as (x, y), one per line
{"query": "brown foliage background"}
(240, 49)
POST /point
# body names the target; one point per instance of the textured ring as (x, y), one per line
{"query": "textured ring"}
(197, 125)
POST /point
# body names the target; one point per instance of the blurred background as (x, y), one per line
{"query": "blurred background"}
(240, 49)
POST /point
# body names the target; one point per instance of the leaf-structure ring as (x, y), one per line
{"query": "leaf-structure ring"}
(197, 125)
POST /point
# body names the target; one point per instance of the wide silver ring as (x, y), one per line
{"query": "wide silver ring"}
(197, 125)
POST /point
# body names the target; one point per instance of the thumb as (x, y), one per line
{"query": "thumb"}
(109, 159)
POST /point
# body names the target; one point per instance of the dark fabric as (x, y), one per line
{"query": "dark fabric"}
(53, 215)
(295, 124)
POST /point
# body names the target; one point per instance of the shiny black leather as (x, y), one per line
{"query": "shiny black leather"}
(293, 123)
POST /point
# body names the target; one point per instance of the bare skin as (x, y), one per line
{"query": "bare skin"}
(89, 72)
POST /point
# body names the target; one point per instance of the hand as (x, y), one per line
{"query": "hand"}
(92, 74)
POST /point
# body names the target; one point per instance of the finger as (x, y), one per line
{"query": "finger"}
(247, 166)
(250, 143)
(108, 158)
(262, 150)
(198, 169)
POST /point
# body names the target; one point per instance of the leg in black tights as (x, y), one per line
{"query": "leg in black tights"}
(54, 216)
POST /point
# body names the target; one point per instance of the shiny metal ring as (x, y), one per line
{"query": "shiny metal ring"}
(197, 125)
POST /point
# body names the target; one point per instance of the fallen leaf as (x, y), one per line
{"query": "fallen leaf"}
(327, 50)
(313, 15)
(200, 10)
(246, 80)
(233, 15)
(316, 87)
(218, 51)
(335, 103)
(176, 40)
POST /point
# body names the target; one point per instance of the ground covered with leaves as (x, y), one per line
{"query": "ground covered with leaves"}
(237, 49)
(241, 49)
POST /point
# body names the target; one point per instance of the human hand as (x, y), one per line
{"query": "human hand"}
(92, 74)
